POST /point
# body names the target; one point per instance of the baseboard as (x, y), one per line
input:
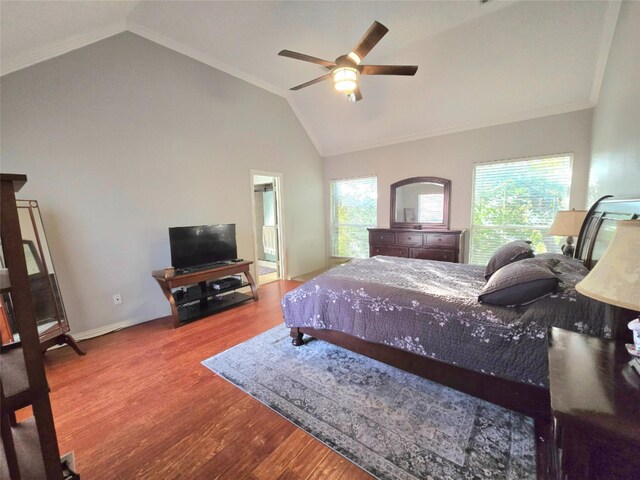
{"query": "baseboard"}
(308, 276)
(113, 327)
(333, 261)
(97, 332)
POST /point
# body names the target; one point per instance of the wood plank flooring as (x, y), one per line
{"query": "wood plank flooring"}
(140, 405)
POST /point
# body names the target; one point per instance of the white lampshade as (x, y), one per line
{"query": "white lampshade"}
(567, 223)
(616, 277)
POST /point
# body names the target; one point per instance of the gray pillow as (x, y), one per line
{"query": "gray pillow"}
(509, 253)
(519, 283)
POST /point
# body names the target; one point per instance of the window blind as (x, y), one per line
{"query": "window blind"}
(430, 207)
(518, 200)
(354, 203)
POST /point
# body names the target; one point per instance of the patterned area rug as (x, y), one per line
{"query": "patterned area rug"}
(390, 423)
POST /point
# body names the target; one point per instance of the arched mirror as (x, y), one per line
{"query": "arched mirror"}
(420, 202)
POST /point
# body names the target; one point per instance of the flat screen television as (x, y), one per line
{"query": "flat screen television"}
(199, 245)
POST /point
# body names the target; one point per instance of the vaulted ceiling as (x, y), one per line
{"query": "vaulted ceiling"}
(479, 64)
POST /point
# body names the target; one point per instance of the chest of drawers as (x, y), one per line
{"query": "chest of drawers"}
(443, 245)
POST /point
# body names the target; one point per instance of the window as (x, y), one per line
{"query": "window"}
(430, 208)
(518, 200)
(354, 204)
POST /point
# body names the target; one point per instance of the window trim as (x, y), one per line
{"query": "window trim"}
(571, 156)
(331, 210)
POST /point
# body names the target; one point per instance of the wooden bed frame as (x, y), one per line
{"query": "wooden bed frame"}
(595, 235)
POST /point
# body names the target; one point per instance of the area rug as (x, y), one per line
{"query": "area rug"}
(262, 270)
(392, 424)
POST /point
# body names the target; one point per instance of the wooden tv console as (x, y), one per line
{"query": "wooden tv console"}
(201, 299)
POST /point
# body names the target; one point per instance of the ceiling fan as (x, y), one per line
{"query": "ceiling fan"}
(347, 68)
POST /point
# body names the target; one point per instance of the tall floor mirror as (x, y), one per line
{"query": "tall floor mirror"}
(51, 318)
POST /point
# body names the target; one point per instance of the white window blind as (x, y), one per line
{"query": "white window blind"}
(354, 203)
(518, 200)
(430, 207)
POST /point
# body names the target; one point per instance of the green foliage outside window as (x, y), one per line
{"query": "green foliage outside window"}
(518, 201)
(353, 209)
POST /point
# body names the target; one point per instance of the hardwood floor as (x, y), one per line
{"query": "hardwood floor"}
(140, 405)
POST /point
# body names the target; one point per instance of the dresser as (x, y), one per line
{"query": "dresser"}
(443, 245)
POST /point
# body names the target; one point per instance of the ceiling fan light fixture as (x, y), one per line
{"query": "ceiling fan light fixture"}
(354, 56)
(345, 79)
(346, 69)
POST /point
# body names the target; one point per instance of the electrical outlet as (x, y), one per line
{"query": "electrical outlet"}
(117, 299)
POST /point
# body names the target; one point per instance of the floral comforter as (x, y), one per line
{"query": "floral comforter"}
(431, 308)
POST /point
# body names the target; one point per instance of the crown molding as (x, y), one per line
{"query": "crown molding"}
(606, 39)
(55, 49)
(202, 57)
(504, 120)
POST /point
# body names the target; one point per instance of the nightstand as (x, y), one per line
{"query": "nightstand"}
(595, 403)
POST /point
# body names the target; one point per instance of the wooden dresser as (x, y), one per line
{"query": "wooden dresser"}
(443, 245)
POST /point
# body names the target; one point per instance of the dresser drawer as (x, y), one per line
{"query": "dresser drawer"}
(388, 251)
(439, 240)
(382, 238)
(433, 254)
(434, 244)
(409, 239)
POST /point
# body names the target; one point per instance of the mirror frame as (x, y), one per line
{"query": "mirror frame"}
(417, 225)
(49, 279)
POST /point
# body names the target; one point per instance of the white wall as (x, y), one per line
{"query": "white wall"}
(124, 138)
(452, 156)
(615, 162)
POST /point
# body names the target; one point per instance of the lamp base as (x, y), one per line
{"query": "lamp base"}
(568, 249)
(634, 326)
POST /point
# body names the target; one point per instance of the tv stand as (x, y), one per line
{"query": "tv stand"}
(200, 299)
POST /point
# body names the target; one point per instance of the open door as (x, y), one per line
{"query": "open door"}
(267, 226)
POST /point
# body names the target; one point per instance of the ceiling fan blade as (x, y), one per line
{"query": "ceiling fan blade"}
(311, 82)
(306, 58)
(370, 39)
(388, 69)
(358, 94)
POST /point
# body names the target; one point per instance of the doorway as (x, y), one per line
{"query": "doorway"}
(266, 201)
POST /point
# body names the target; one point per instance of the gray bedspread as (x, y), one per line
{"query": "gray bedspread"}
(431, 308)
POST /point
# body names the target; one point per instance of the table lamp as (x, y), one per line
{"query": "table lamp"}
(567, 223)
(616, 277)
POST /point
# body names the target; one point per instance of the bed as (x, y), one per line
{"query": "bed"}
(423, 316)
